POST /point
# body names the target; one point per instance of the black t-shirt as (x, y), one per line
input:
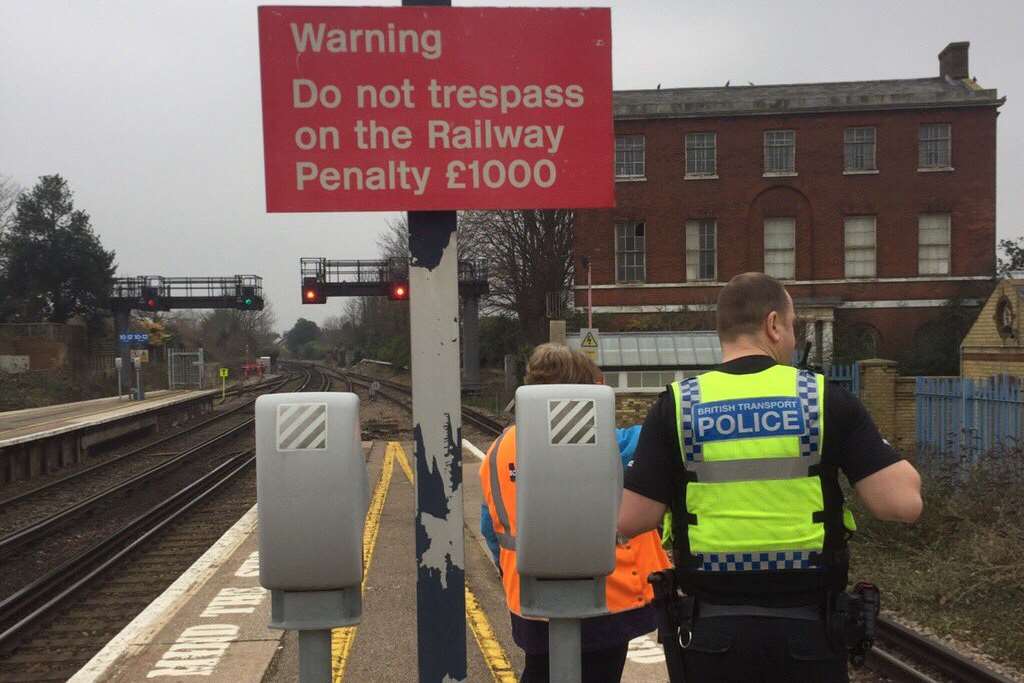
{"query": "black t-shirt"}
(851, 444)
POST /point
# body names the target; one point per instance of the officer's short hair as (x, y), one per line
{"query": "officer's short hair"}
(558, 364)
(746, 301)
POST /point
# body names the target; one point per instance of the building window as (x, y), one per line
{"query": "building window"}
(780, 151)
(629, 252)
(933, 244)
(859, 149)
(701, 252)
(934, 148)
(645, 381)
(629, 156)
(859, 243)
(780, 248)
(701, 154)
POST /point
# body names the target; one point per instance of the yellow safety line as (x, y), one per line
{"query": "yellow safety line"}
(493, 652)
(342, 638)
(403, 461)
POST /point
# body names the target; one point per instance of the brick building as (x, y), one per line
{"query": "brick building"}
(874, 201)
(994, 344)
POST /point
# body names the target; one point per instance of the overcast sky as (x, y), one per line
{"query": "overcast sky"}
(151, 110)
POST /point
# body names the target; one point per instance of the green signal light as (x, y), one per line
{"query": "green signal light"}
(248, 302)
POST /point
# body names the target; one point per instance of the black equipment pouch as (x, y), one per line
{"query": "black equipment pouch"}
(852, 620)
(674, 615)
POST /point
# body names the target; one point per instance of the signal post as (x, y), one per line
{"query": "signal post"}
(432, 109)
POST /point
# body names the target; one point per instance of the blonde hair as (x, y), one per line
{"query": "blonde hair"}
(558, 364)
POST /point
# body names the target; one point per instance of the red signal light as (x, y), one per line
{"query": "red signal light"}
(151, 303)
(311, 292)
(398, 291)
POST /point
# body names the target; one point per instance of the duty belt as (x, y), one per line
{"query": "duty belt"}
(806, 612)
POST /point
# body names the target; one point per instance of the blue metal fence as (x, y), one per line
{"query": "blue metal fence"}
(846, 375)
(968, 418)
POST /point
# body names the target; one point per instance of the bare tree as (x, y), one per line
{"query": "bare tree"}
(529, 253)
(9, 191)
(394, 242)
(227, 335)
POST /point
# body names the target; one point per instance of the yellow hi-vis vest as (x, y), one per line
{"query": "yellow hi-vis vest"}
(751, 447)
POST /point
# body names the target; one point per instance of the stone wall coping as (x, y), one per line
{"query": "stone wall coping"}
(877, 362)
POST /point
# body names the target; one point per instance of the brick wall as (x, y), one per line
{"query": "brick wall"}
(983, 369)
(905, 432)
(631, 409)
(878, 393)
(819, 197)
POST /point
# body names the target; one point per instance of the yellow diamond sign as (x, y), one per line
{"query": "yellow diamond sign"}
(589, 342)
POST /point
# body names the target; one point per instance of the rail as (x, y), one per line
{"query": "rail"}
(30, 604)
(929, 654)
(91, 469)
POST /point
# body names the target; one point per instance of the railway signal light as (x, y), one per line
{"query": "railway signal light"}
(398, 291)
(150, 299)
(311, 291)
(247, 297)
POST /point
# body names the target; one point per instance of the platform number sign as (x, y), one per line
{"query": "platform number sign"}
(572, 422)
(133, 338)
(301, 426)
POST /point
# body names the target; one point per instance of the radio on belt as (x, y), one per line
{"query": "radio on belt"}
(568, 490)
(312, 495)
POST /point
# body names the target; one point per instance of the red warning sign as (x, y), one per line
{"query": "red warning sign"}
(436, 108)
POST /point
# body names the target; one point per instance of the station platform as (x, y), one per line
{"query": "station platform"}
(212, 621)
(41, 440)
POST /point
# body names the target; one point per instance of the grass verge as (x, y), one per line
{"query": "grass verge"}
(960, 569)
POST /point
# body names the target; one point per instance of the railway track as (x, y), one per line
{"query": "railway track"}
(71, 495)
(122, 572)
(489, 425)
(901, 654)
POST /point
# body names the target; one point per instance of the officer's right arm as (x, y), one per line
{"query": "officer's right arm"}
(649, 482)
(638, 514)
(892, 494)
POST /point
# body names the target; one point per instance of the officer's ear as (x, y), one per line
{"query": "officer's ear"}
(773, 326)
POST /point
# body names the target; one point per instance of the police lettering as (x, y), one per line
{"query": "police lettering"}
(756, 418)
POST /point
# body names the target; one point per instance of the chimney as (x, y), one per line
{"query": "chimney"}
(953, 61)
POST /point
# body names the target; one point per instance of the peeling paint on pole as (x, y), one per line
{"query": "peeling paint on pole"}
(440, 555)
(440, 581)
(428, 242)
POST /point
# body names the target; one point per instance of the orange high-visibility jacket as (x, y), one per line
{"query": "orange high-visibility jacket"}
(625, 588)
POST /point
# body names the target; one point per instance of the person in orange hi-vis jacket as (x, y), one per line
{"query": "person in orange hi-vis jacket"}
(605, 638)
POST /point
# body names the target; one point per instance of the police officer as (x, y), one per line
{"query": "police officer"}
(746, 459)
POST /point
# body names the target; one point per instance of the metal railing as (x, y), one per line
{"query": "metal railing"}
(379, 271)
(188, 287)
(968, 418)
